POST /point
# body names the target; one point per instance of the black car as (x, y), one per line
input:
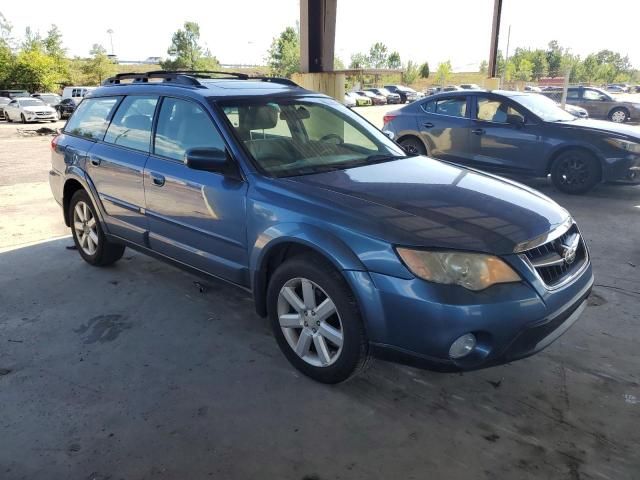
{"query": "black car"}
(391, 97)
(14, 93)
(518, 133)
(51, 99)
(406, 94)
(66, 107)
(4, 101)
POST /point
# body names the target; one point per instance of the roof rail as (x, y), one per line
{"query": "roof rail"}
(189, 77)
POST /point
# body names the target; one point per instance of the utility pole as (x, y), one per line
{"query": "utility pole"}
(110, 32)
(492, 71)
(506, 59)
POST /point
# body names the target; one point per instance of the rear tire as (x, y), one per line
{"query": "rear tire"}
(575, 172)
(619, 115)
(413, 146)
(313, 312)
(88, 236)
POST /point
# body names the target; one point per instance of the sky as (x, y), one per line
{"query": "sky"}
(240, 32)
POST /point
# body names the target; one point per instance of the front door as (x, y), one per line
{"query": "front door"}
(500, 145)
(445, 125)
(196, 217)
(116, 165)
(595, 103)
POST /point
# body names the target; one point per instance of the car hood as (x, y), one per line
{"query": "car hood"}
(424, 202)
(605, 126)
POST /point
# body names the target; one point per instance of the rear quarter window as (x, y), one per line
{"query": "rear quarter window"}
(91, 118)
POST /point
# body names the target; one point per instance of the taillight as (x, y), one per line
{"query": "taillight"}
(388, 117)
(54, 142)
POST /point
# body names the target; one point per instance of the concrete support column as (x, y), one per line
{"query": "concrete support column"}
(317, 35)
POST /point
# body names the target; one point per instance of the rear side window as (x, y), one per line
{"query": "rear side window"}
(183, 125)
(91, 118)
(453, 107)
(131, 124)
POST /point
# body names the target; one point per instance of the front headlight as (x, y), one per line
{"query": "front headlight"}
(473, 271)
(624, 145)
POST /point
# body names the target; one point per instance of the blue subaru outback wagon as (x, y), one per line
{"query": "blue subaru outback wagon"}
(350, 246)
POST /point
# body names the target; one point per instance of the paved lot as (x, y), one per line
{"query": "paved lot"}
(132, 372)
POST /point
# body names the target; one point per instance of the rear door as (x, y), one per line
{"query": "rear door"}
(501, 146)
(116, 165)
(444, 125)
(195, 217)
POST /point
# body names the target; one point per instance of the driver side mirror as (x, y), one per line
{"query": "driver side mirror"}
(211, 160)
(603, 98)
(515, 120)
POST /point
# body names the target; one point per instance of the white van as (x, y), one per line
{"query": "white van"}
(76, 93)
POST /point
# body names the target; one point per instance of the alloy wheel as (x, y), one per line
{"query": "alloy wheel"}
(619, 116)
(86, 228)
(573, 171)
(310, 322)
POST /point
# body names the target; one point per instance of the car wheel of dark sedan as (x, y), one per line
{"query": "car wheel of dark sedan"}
(413, 146)
(315, 320)
(575, 172)
(88, 236)
(619, 115)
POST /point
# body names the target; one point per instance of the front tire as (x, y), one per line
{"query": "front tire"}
(413, 146)
(619, 115)
(575, 172)
(23, 118)
(88, 236)
(316, 321)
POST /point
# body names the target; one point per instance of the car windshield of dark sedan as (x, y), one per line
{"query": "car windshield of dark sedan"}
(544, 107)
(31, 102)
(302, 136)
(51, 98)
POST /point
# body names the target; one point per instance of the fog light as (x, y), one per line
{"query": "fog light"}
(462, 346)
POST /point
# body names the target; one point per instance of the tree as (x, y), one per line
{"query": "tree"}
(338, 64)
(99, 66)
(524, 70)
(284, 54)
(554, 58)
(484, 67)
(540, 64)
(424, 70)
(444, 72)
(359, 60)
(411, 73)
(378, 56)
(186, 53)
(393, 61)
(32, 40)
(52, 43)
(35, 70)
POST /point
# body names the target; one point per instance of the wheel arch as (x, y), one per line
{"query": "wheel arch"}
(267, 258)
(77, 181)
(566, 148)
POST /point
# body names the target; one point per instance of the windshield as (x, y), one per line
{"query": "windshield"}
(301, 136)
(543, 107)
(31, 102)
(50, 98)
(384, 91)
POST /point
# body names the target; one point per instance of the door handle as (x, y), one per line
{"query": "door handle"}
(478, 131)
(95, 161)
(158, 180)
(427, 125)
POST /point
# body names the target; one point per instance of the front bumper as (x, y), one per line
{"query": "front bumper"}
(33, 117)
(624, 169)
(415, 322)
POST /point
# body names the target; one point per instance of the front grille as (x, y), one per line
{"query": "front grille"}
(552, 262)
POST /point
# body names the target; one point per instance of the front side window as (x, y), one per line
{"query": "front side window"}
(183, 125)
(321, 135)
(131, 124)
(453, 107)
(494, 110)
(91, 118)
(591, 94)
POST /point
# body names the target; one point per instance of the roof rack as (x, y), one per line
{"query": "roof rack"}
(188, 77)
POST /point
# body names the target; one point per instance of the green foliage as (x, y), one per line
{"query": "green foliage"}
(393, 60)
(444, 72)
(99, 67)
(35, 70)
(338, 64)
(424, 70)
(484, 67)
(284, 55)
(185, 52)
(359, 60)
(378, 56)
(411, 73)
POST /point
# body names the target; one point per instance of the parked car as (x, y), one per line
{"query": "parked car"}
(391, 97)
(50, 99)
(66, 107)
(599, 103)
(14, 93)
(519, 133)
(77, 93)
(616, 88)
(350, 246)
(27, 109)
(361, 100)
(349, 101)
(451, 88)
(433, 90)
(407, 94)
(375, 98)
(532, 88)
(470, 86)
(576, 111)
(4, 101)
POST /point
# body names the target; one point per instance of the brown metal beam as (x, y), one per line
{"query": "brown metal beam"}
(317, 35)
(495, 35)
